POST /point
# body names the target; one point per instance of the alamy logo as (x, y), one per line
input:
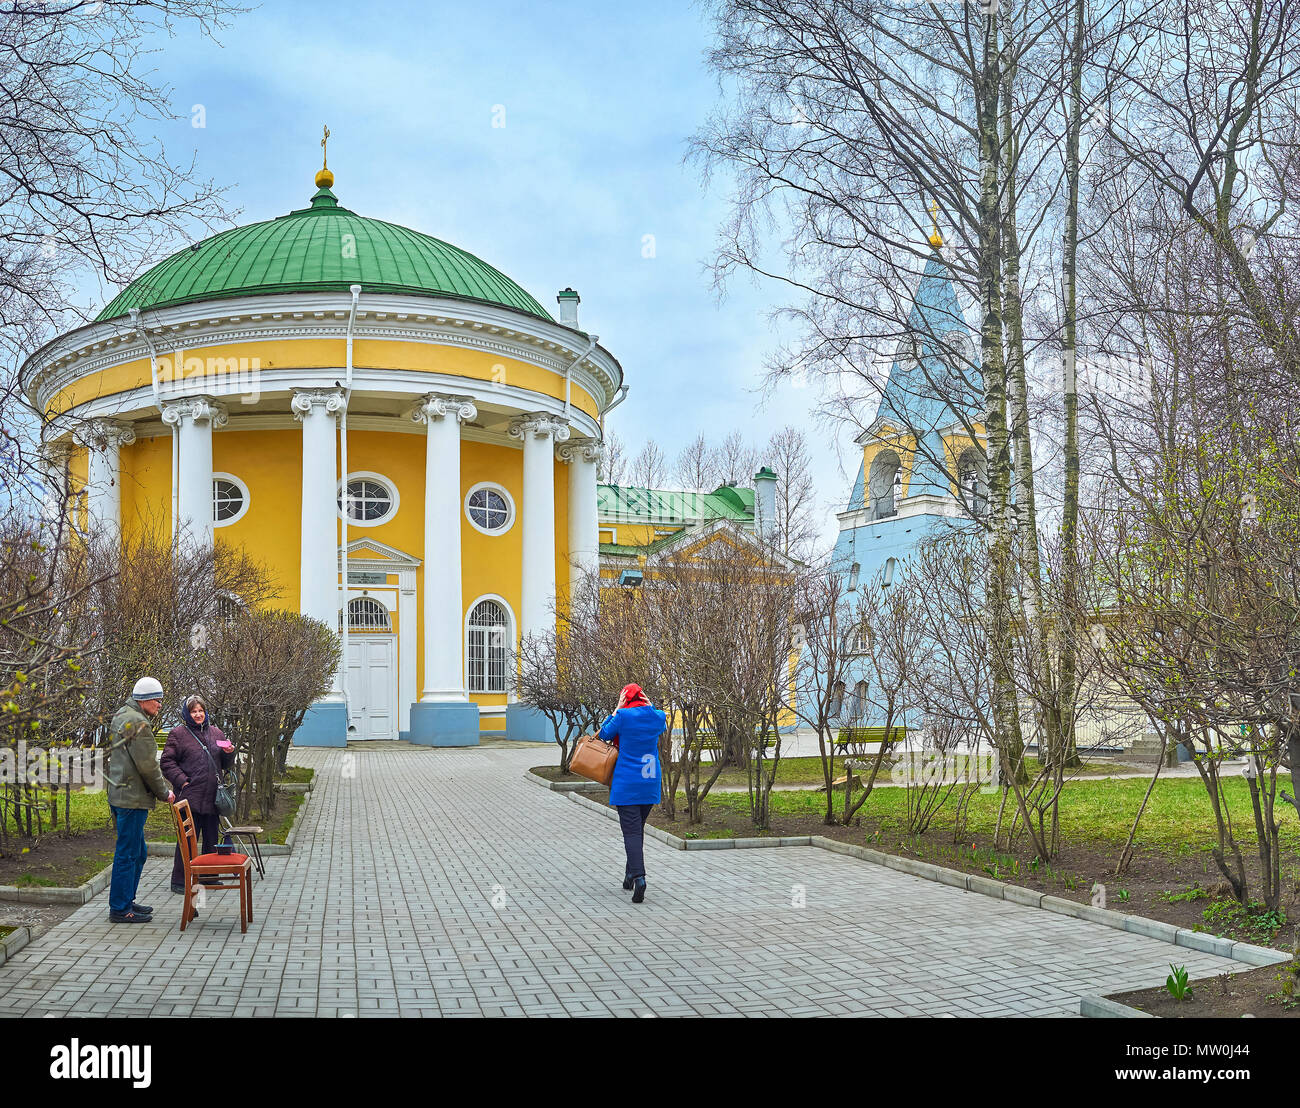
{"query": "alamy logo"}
(114, 1063)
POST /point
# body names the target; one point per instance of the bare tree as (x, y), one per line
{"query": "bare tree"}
(649, 469)
(88, 193)
(614, 465)
(697, 466)
(796, 495)
(736, 461)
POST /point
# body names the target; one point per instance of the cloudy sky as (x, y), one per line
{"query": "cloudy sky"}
(598, 100)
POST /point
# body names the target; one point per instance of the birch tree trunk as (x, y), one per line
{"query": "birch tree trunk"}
(1070, 395)
(988, 87)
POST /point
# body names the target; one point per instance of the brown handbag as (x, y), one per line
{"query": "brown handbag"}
(594, 759)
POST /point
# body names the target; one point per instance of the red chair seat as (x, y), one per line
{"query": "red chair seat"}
(220, 860)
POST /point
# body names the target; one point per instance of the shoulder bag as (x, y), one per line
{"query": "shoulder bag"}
(224, 802)
(594, 759)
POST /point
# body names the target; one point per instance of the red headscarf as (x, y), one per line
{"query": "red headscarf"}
(632, 697)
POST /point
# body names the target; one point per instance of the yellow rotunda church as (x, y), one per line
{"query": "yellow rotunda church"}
(398, 430)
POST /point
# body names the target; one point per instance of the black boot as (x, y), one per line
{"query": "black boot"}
(627, 884)
(638, 890)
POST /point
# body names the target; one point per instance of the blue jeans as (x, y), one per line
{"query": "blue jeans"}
(631, 818)
(128, 857)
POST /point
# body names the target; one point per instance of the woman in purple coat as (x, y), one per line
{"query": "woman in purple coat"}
(635, 728)
(189, 759)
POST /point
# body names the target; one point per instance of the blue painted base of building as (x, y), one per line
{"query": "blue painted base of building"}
(528, 725)
(325, 724)
(449, 723)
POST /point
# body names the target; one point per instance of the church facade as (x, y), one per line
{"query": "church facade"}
(923, 455)
(403, 435)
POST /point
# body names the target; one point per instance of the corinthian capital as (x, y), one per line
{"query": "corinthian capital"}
(438, 405)
(304, 400)
(583, 450)
(197, 409)
(540, 425)
(103, 434)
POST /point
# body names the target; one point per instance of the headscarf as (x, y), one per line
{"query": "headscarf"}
(190, 701)
(633, 697)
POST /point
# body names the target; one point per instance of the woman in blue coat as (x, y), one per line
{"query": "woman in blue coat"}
(635, 728)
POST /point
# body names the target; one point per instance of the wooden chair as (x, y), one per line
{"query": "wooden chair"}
(236, 866)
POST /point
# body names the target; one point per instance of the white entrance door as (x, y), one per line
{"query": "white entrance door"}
(372, 687)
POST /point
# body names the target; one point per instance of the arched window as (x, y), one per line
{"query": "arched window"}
(974, 486)
(853, 577)
(837, 698)
(858, 702)
(487, 647)
(229, 608)
(366, 614)
(885, 484)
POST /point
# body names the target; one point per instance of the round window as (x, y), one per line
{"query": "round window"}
(490, 509)
(229, 499)
(369, 500)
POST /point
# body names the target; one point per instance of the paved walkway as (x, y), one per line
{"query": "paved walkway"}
(441, 882)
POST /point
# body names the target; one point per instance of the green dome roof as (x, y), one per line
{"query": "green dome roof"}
(305, 251)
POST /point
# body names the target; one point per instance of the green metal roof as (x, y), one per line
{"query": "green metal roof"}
(633, 504)
(306, 251)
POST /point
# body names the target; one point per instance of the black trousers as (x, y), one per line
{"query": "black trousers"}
(631, 818)
(207, 827)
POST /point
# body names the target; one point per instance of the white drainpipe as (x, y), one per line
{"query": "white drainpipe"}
(568, 373)
(619, 397)
(157, 399)
(343, 460)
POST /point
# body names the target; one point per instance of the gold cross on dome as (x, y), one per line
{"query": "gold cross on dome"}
(323, 152)
(936, 239)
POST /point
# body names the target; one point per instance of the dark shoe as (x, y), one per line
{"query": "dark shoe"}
(638, 890)
(128, 917)
(627, 884)
(209, 880)
(141, 909)
(179, 889)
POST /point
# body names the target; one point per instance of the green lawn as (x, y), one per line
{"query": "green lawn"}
(808, 771)
(1177, 820)
(298, 775)
(90, 812)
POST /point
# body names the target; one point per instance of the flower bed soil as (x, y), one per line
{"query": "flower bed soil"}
(1227, 996)
(61, 861)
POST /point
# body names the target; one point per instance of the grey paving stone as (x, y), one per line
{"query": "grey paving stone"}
(505, 901)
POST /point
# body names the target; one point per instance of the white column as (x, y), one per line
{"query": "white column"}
(103, 439)
(316, 410)
(192, 420)
(444, 671)
(54, 476)
(539, 432)
(583, 457)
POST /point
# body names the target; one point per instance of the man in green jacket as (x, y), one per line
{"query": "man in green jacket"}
(134, 780)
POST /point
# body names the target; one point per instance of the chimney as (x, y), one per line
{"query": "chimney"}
(568, 301)
(765, 504)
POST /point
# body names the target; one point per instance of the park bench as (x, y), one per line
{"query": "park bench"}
(856, 740)
(710, 741)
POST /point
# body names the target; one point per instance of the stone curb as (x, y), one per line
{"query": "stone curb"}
(51, 896)
(1098, 1007)
(12, 943)
(82, 893)
(985, 886)
(562, 786)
